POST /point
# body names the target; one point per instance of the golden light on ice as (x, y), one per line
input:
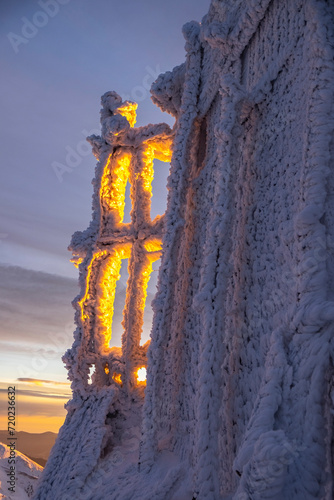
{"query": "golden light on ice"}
(128, 110)
(117, 377)
(113, 184)
(126, 159)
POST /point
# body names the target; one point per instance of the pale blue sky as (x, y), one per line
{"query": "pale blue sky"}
(51, 92)
(52, 79)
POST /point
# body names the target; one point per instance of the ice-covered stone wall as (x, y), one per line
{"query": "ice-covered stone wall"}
(240, 364)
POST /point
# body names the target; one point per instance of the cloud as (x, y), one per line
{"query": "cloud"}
(35, 309)
(39, 394)
(33, 304)
(37, 381)
(37, 406)
(13, 347)
(37, 324)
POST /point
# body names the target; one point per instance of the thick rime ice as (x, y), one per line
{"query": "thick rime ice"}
(239, 397)
(105, 411)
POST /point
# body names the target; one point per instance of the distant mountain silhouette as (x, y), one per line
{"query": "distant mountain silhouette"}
(35, 446)
(39, 461)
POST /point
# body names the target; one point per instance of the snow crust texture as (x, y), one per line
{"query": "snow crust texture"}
(239, 400)
(26, 474)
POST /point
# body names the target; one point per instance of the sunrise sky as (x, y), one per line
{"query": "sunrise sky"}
(52, 80)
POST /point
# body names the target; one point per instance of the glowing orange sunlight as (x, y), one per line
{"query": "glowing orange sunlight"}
(130, 159)
(82, 302)
(128, 109)
(117, 377)
(109, 274)
(141, 375)
(113, 185)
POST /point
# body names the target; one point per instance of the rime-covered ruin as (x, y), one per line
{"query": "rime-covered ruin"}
(239, 401)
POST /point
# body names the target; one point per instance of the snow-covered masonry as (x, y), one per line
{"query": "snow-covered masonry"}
(239, 398)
